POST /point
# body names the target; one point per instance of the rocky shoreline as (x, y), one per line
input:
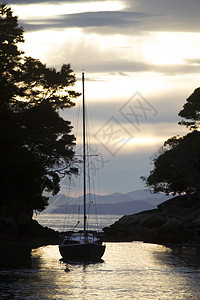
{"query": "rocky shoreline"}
(29, 233)
(175, 221)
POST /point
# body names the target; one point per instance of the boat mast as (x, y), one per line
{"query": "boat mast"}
(84, 158)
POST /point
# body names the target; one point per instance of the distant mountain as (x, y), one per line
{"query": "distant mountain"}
(145, 195)
(57, 201)
(121, 208)
(148, 196)
(115, 198)
(116, 203)
(141, 194)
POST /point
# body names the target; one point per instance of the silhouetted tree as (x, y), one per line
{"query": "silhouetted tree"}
(10, 56)
(177, 164)
(191, 111)
(37, 147)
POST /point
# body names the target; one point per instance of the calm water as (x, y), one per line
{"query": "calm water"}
(128, 271)
(61, 222)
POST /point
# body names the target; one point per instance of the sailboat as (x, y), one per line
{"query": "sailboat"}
(82, 245)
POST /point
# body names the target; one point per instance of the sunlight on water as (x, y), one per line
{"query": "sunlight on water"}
(61, 222)
(128, 271)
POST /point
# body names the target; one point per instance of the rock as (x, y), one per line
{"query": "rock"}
(174, 221)
(39, 236)
(171, 232)
(30, 233)
(155, 220)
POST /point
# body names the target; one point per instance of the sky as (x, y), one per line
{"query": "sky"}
(141, 60)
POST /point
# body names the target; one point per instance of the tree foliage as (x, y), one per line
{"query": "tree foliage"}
(191, 111)
(10, 35)
(37, 147)
(177, 164)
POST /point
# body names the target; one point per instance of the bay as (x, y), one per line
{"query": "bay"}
(133, 270)
(128, 271)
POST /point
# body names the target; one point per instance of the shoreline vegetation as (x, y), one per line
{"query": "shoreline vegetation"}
(175, 221)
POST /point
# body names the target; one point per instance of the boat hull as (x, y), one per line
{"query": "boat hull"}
(82, 252)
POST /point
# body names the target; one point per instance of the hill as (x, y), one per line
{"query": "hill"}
(120, 208)
(116, 203)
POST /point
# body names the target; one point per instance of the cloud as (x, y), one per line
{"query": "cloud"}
(138, 16)
(118, 21)
(166, 105)
(193, 61)
(174, 15)
(98, 61)
(24, 2)
(131, 66)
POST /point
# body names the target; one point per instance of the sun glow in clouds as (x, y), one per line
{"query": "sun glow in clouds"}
(49, 10)
(165, 48)
(39, 43)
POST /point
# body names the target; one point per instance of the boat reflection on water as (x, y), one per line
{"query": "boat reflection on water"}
(70, 264)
